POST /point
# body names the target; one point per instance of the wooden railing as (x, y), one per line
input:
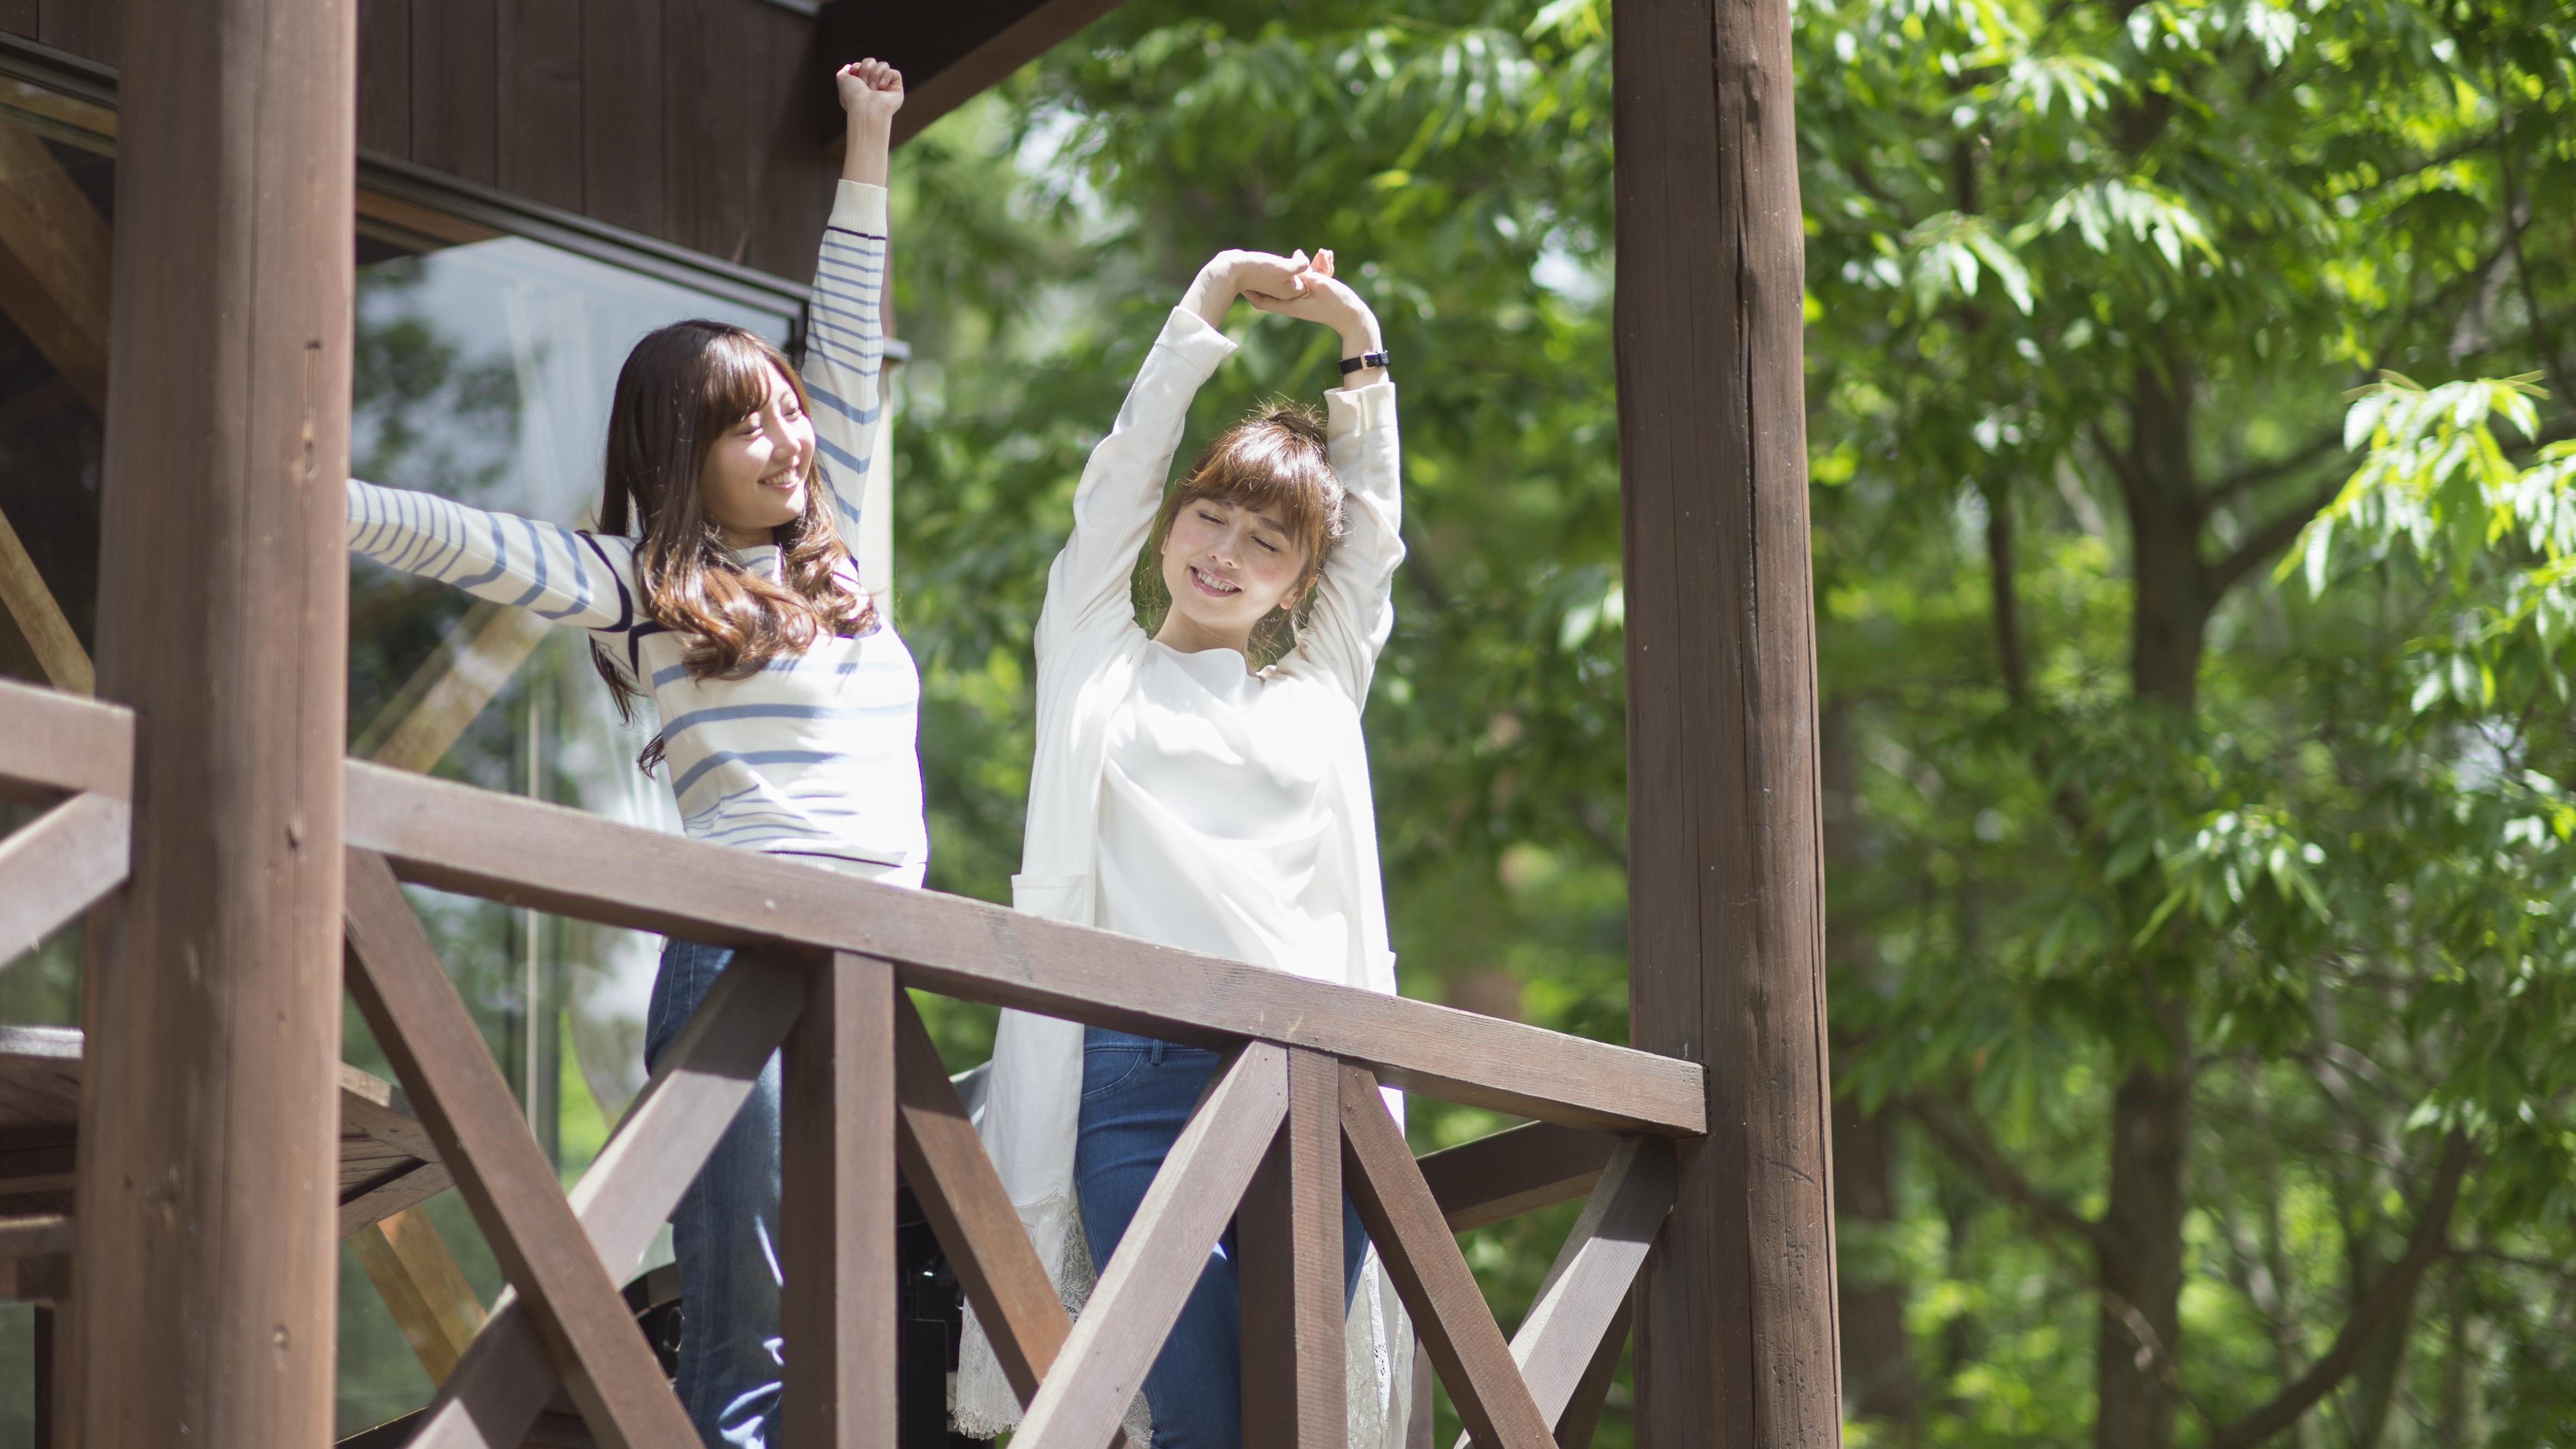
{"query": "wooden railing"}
(1292, 1120)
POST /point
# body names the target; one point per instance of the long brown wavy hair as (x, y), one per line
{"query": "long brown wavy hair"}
(680, 390)
(1277, 462)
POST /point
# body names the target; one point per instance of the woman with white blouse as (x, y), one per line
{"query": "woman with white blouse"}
(1201, 781)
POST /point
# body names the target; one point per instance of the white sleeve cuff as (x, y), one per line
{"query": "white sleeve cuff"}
(1351, 411)
(1188, 334)
(859, 206)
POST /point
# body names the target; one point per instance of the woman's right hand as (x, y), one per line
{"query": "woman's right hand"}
(1231, 274)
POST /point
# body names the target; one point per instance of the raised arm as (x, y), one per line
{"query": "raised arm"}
(545, 568)
(1354, 608)
(1122, 485)
(845, 334)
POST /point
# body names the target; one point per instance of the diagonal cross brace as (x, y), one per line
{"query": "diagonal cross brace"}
(577, 1314)
(59, 866)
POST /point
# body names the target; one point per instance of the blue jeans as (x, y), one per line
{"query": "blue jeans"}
(1136, 1096)
(725, 1234)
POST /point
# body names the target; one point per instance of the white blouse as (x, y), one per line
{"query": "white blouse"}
(1214, 833)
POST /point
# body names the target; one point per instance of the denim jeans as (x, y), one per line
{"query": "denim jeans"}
(725, 1234)
(1136, 1096)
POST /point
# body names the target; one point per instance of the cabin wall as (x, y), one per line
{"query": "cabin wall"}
(706, 123)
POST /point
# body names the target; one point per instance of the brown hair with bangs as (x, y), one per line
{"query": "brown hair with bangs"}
(1276, 463)
(681, 389)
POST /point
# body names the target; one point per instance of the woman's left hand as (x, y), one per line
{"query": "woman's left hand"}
(1330, 302)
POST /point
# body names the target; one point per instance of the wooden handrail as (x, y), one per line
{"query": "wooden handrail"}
(552, 858)
(547, 857)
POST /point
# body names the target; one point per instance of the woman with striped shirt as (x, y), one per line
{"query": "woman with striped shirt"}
(718, 584)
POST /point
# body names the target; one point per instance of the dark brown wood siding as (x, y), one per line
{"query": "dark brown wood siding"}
(701, 122)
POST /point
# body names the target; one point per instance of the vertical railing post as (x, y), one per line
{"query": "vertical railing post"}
(1289, 1233)
(836, 1218)
(207, 1259)
(1735, 1314)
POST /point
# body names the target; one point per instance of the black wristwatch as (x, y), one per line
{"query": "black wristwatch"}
(1365, 359)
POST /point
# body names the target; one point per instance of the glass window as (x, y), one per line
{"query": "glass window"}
(484, 367)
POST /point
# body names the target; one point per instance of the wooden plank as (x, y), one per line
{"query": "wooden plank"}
(554, 859)
(992, 62)
(953, 1179)
(455, 94)
(622, 93)
(1430, 1275)
(1582, 1417)
(1289, 1250)
(19, 17)
(54, 258)
(1735, 1338)
(792, 196)
(422, 1026)
(384, 76)
(36, 1258)
(36, 1161)
(209, 1278)
(1515, 1171)
(505, 1379)
(38, 615)
(1586, 1289)
(54, 743)
(86, 28)
(837, 1305)
(389, 1199)
(423, 1288)
(58, 866)
(540, 99)
(1149, 1278)
(710, 141)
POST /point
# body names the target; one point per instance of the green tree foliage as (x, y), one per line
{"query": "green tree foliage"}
(2197, 742)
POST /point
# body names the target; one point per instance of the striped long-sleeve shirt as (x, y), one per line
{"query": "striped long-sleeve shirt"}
(814, 755)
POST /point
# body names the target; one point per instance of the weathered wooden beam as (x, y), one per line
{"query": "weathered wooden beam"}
(992, 62)
(1288, 1237)
(422, 1287)
(422, 1026)
(54, 258)
(54, 744)
(58, 866)
(208, 1253)
(551, 858)
(836, 1213)
(37, 614)
(1149, 1278)
(1735, 1319)
(1515, 1171)
(1585, 1292)
(1431, 1276)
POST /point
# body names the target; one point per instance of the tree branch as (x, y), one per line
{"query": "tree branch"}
(2268, 540)
(1977, 1149)
(2428, 1242)
(2007, 600)
(2256, 475)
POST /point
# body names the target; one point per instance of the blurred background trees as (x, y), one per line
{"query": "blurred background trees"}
(2195, 625)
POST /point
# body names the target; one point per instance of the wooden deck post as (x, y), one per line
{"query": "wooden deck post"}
(1735, 1313)
(207, 1252)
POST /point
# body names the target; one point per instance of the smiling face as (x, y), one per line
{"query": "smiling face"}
(1227, 565)
(755, 477)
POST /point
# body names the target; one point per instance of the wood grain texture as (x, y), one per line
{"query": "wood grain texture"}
(384, 76)
(20, 17)
(423, 1289)
(36, 1258)
(554, 859)
(1582, 1417)
(622, 145)
(1515, 1171)
(1431, 1276)
(1288, 1236)
(54, 258)
(1586, 1288)
(87, 28)
(991, 62)
(455, 87)
(422, 1026)
(710, 132)
(1149, 1278)
(698, 1086)
(58, 866)
(538, 97)
(391, 1198)
(53, 743)
(208, 1279)
(39, 619)
(953, 1179)
(837, 1304)
(1736, 1341)
(791, 197)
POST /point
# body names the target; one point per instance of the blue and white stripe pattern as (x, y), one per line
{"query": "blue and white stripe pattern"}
(813, 755)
